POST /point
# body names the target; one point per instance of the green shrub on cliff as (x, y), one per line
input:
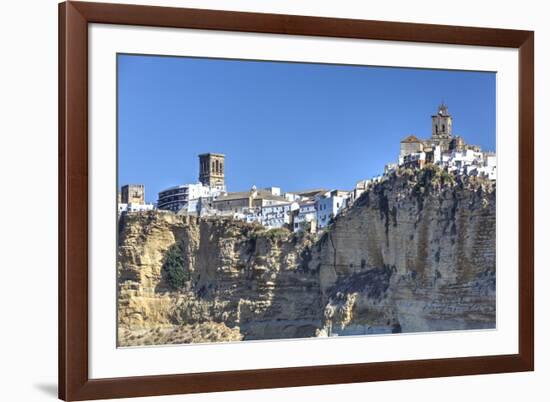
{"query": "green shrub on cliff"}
(174, 268)
(277, 233)
(446, 178)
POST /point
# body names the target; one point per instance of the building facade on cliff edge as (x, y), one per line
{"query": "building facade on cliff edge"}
(190, 198)
(445, 149)
(310, 210)
(131, 198)
(265, 206)
(329, 205)
(305, 217)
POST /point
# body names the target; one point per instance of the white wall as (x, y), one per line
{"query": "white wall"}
(28, 154)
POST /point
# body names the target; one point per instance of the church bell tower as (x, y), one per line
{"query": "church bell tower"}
(442, 123)
(212, 170)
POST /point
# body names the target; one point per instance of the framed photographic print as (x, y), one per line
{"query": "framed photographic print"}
(259, 200)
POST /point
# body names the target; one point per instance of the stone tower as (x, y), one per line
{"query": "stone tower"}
(442, 123)
(132, 194)
(212, 170)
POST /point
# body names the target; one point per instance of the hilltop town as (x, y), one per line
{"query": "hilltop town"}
(411, 250)
(314, 209)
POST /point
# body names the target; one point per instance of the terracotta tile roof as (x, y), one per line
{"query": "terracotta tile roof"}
(411, 138)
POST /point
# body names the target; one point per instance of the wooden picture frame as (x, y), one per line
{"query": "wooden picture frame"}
(74, 381)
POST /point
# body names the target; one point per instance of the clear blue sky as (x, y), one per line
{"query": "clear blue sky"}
(292, 125)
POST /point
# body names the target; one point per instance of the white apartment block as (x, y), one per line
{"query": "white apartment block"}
(329, 205)
(184, 198)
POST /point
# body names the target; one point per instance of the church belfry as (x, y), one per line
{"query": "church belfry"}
(442, 123)
(212, 170)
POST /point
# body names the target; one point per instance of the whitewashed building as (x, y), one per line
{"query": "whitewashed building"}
(415, 160)
(276, 216)
(329, 205)
(459, 160)
(178, 198)
(306, 214)
(292, 197)
(274, 190)
(134, 207)
(390, 168)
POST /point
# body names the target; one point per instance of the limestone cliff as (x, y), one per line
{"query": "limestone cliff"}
(415, 252)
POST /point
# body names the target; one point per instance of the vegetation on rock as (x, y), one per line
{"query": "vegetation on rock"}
(173, 266)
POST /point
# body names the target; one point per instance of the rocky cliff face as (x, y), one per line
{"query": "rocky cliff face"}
(240, 281)
(415, 253)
